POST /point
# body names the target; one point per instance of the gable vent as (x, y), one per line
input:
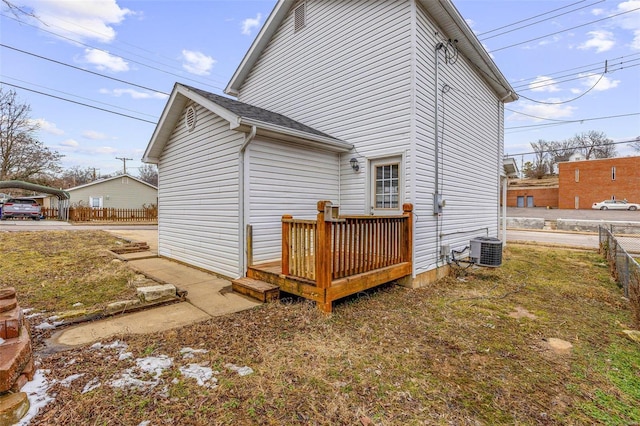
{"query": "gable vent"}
(190, 118)
(299, 16)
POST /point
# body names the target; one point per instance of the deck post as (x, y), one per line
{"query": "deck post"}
(323, 255)
(286, 243)
(249, 245)
(408, 232)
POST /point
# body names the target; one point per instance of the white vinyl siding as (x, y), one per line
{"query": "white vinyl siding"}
(285, 179)
(198, 201)
(470, 119)
(347, 74)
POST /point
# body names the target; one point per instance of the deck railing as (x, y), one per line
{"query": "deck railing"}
(324, 250)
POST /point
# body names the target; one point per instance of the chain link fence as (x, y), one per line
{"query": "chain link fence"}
(628, 236)
(624, 267)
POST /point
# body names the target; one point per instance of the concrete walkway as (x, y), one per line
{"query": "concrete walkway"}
(208, 296)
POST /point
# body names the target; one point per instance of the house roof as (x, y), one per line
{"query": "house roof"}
(241, 117)
(99, 181)
(445, 15)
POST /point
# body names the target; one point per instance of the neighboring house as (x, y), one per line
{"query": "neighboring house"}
(583, 183)
(368, 104)
(120, 192)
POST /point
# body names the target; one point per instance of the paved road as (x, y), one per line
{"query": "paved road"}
(553, 237)
(554, 214)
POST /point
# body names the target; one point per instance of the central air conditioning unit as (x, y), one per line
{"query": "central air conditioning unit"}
(486, 251)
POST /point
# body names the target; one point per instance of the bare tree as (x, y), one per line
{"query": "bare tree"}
(22, 156)
(594, 144)
(541, 165)
(17, 11)
(149, 174)
(76, 176)
(562, 151)
(636, 144)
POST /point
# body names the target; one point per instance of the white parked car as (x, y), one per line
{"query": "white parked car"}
(615, 205)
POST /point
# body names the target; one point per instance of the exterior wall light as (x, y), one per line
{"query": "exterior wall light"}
(354, 164)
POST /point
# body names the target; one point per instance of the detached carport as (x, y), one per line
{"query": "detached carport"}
(63, 196)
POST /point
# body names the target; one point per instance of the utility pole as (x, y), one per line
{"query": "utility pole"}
(124, 160)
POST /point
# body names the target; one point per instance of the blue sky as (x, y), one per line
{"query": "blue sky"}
(155, 43)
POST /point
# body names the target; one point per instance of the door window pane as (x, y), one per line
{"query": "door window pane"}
(387, 186)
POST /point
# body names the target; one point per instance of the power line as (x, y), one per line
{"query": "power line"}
(542, 20)
(567, 101)
(83, 70)
(117, 56)
(583, 66)
(77, 103)
(569, 121)
(79, 97)
(562, 31)
(528, 19)
(560, 149)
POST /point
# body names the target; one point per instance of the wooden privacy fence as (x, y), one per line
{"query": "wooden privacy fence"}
(88, 214)
(322, 250)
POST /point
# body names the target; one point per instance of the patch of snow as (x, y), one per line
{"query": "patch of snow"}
(242, 371)
(26, 310)
(125, 355)
(53, 318)
(203, 375)
(77, 305)
(44, 326)
(128, 380)
(70, 362)
(31, 315)
(188, 353)
(1, 340)
(154, 364)
(145, 423)
(91, 385)
(36, 390)
(66, 382)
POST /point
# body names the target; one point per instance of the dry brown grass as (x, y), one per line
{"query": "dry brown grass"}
(53, 270)
(448, 354)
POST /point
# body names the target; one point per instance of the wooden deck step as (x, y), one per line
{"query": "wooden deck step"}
(256, 289)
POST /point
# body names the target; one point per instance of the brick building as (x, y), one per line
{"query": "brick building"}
(582, 183)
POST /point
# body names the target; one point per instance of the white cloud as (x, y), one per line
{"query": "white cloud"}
(105, 61)
(48, 127)
(135, 94)
(544, 84)
(105, 150)
(79, 20)
(197, 62)
(470, 22)
(630, 21)
(70, 143)
(250, 23)
(604, 84)
(597, 12)
(93, 135)
(543, 111)
(600, 40)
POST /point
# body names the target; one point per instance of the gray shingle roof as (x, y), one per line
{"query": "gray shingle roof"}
(259, 114)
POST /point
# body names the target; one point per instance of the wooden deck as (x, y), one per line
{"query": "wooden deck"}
(272, 273)
(330, 258)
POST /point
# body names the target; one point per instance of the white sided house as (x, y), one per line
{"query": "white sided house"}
(118, 192)
(371, 105)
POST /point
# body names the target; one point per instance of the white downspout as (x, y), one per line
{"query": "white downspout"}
(502, 182)
(242, 220)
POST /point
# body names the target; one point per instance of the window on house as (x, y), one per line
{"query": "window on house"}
(387, 186)
(95, 202)
(577, 175)
(613, 173)
(299, 16)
